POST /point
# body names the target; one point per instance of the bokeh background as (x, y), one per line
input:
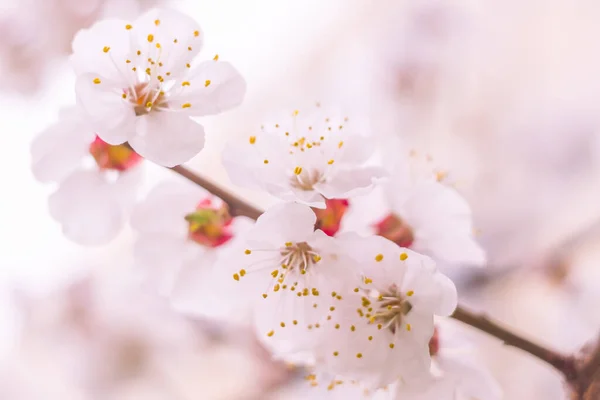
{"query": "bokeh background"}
(504, 94)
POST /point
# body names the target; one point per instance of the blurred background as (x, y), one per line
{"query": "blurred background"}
(504, 94)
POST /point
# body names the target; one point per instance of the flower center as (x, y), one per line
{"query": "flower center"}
(145, 98)
(306, 180)
(209, 225)
(330, 218)
(298, 257)
(395, 229)
(390, 308)
(108, 157)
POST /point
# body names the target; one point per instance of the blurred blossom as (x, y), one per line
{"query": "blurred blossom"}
(96, 183)
(182, 232)
(418, 209)
(105, 339)
(308, 156)
(34, 33)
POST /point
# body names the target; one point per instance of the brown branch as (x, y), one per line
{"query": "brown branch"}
(237, 206)
(565, 364)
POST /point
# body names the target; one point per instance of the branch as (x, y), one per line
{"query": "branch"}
(563, 363)
(237, 206)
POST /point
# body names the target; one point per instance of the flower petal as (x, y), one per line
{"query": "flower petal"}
(168, 139)
(351, 182)
(165, 208)
(84, 206)
(160, 257)
(102, 50)
(286, 222)
(169, 37)
(442, 222)
(213, 87)
(245, 163)
(111, 117)
(59, 150)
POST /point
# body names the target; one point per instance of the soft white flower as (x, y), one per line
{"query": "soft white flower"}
(308, 156)
(137, 83)
(182, 232)
(415, 209)
(292, 274)
(96, 183)
(459, 375)
(381, 331)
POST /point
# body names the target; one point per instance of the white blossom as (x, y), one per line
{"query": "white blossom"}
(96, 183)
(137, 83)
(293, 275)
(416, 209)
(380, 332)
(182, 232)
(308, 156)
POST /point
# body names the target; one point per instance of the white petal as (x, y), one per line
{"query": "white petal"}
(59, 150)
(440, 389)
(167, 138)
(348, 183)
(165, 208)
(245, 163)
(84, 206)
(160, 258)
(435, 292)
(111, 117)
(473, 380)
(214, 87)
(89, 55)
(442, 222)
(357, 149)
(286, 222)
(176, 33)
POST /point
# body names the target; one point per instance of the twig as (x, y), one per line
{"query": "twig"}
(565, 364)
(237, 206)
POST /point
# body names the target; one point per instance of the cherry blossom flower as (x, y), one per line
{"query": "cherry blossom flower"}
(416, 209)
(381, 331)
(96, 182)
(459, 375)
(308, 156)
(137, 83)
(293, 275)
(182, 232)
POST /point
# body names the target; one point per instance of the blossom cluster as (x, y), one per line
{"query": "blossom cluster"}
(343, 277)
